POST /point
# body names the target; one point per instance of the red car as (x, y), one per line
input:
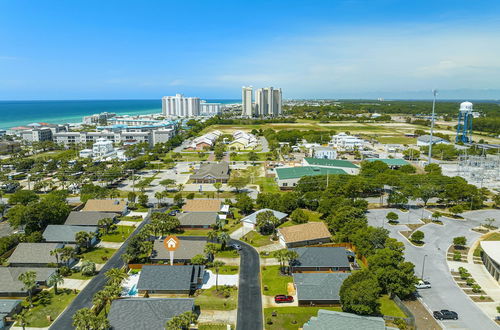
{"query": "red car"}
(283, 299)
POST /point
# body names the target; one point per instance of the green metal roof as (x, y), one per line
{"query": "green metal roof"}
(330, 162)
(300, 171)
(390, 161)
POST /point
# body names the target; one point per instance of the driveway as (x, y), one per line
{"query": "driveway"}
(445, 294)
(84, 298)
(249, 293)
(209, 279)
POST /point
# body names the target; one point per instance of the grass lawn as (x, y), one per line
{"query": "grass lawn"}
(211, 326)
(389, 307)
(274, 281)
(227, 270)
(256, 239)
(79, 276)
(119, 235)
(211, 300)
(228, 254)
(232, 225)
(194, 232)
(396, 140)
(313, 215)
(243, 157)
(267, 185)
(136, 218)
(291, 317)
(493, 237)
(54, 305)
(98, 255)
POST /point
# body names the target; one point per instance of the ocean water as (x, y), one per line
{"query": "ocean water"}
(19, 113)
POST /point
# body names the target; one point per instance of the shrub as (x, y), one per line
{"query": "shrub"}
(476, 288)
(482, 297)
(459, 241)
(457, 256)
(417, 236)
(470, 281)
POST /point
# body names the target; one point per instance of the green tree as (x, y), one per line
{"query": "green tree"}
(211, 249)
(238, 182)
(143, 200)
(131, 196)
(182, 321)
(244, 203)
(85, 319)
(22, 318)
(359, 293)
(267, 222)
(432, 168)
(178, 200)
(224, 239)
(106, 224)
(456, 209)
(54, 280)
(167, 183)
(253, 157)
(392, 217)
(417, 236)
(460, 242)
(87, 268)
(23, 197)
(116, 276)
(217, 187)
(436, 215)
(29, 284)
(299, 216)
(198, 259)
(217, 264)
(83, 239)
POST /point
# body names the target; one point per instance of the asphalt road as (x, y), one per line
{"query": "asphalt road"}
(84, 298)
(444, 294)
(249, 294)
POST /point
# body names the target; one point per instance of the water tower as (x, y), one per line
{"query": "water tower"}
(464, 127)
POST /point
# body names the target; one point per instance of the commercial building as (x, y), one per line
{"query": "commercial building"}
(98, 118)
(180, 106)
(344, 165)
(288, 177)
(247, 101)
(268, 102)
(491, 257)
(37, 134)
(9, 147)
(210, 109)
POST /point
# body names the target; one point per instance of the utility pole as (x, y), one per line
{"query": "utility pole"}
(434, 92)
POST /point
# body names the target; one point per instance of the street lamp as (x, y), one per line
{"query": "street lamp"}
(423, 267)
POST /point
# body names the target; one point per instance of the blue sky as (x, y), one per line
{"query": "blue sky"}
(335, 49)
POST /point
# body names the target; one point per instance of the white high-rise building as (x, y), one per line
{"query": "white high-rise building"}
(210, 109)
(268, 102)
(180, 106)
(246, 99)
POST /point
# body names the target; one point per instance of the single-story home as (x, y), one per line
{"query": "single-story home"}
(318, 288)
(10, 286)
(305, 234)
(198, 220)
(67, 234)
(320, 259)
(211, 173)
(250, 221)
(89, 218)
(36, 255)
(202, 205)
(151, 313)
(116, 206)
(8, 308)
(340, 164)
(164, 279)
(188, 248)
(288, 177)
(393, 163)
(326, 318)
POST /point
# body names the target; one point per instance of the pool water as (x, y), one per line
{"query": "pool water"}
(133, 290)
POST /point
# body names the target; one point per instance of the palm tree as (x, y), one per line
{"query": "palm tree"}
(105, 223)
(127, 258)
(212, 235)
(101, 299)
(224, 239)
(83, 238)
(159, 197)
(291, 256)
(29, 283)
(22, 318)
(87, 267)
(182, 321)
(54, 280)
(216, 265)
(67, 253)
(211, 249)
(84, 319)
(281, 255)
(55, 253)
(116, 276)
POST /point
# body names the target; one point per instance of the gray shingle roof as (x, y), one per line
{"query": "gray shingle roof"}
(321, 257)
(8, 305)
(319, 286)
(252, 218)
(89, 218)
(212, 170)
(9, 277)
(65, 233)
(35, 253)
(146, 313)
(197, 218)
(187, 249)
(168, 278)
(343, 321)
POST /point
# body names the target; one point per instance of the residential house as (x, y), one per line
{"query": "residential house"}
(67, 234)
(114, 206)
(161, 279)
(243, 140)
(318, 288)
(188, 248)
(320, 259)
(36, 255)
(150, 314)
(250, 221)
(344, 165)
(10, 286)
(347, 142)
(211, 173)
(305, 234)
(288, 177)
(198, 220)
(88, 218)
(8, 308)
(344, 321)
(202, 205)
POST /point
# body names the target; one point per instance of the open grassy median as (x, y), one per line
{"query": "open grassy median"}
(274, 281)
(98, 255)
(291, 317)
(47, 303)
(120, 234)
(210, 299)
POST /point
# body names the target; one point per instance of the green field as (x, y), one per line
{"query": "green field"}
(389, 307)
(274, 281)
(291, 318)
(120, 234)
(98, 255)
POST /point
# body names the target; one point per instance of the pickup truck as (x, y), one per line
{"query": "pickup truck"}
(423, 285)
(445, 314)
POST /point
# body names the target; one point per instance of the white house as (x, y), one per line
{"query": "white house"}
(324, 153)
(347, 142)
(250, 221)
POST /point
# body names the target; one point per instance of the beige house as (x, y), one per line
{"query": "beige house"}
(310, 233)
(106, 205)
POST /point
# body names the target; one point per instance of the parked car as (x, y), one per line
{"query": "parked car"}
(423, 285)
(173, 213)
(237, 247)
(445, 314)
(283, 299)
